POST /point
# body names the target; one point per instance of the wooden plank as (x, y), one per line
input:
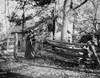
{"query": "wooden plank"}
(64, 47)
(71, 49)
(78, 44)
(11, 46)
(12, 39)
(60, 57)
(16, 46)
(63, 54)
(10, 50)
(8, 43)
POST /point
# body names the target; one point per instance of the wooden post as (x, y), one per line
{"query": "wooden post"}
(94, 52)
(16, 46)
(8, 44)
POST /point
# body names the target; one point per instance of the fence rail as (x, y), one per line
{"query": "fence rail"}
(65, 50)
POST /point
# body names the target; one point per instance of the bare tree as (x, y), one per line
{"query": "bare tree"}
(67, 30)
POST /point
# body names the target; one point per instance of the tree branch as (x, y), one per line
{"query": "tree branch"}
(80, 4)
(45, 8)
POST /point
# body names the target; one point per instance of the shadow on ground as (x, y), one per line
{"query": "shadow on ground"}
(43, 62)
(4, 74)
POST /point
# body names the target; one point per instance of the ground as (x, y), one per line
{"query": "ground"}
(39, 67)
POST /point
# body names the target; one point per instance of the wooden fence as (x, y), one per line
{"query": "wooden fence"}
(7, 45)
(69, 51)
(66, 50)
(10, 45)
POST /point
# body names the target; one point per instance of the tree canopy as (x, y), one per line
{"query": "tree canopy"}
(83, 14)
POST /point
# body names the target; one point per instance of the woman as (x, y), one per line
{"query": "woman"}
(29, 49)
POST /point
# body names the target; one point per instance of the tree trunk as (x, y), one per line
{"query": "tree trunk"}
(67, 30)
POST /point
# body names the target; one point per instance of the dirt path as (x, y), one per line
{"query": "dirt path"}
(38, 68)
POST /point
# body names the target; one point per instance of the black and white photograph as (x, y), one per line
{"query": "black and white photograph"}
(49, 38)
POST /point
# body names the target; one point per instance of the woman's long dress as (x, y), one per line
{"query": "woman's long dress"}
(29, 49)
